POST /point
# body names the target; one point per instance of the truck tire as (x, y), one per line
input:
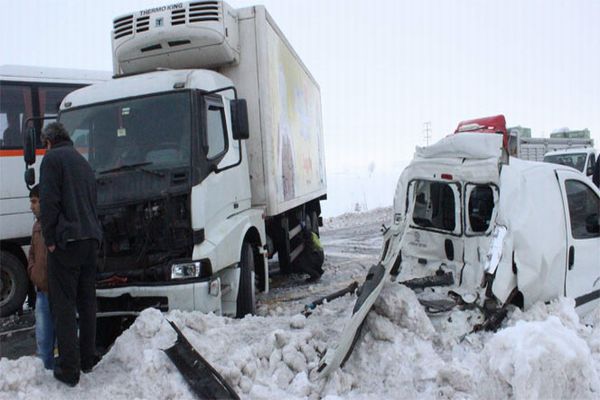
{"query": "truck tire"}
(13, 284)
(246, 298)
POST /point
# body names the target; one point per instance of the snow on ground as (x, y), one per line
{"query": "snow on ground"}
(544, 353)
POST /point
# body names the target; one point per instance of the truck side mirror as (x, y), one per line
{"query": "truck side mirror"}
(29, 150)
(30, 177)
(239, 119)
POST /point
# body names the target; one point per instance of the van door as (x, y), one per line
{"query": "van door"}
(435, 232)
(582, 209)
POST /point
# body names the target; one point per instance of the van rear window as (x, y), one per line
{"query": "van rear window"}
(435, 205)
(480, 207)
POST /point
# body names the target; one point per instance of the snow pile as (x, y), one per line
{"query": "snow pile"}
(543, 353)
(543, 360)
(380, 216)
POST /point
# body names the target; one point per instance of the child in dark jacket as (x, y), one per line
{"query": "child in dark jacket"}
(37, 269)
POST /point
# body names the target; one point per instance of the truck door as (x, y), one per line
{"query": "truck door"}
(582, 209)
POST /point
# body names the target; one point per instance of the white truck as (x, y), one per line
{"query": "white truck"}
(208, 152)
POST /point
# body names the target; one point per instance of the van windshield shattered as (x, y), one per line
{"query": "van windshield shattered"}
(150, 130)
(435, 206)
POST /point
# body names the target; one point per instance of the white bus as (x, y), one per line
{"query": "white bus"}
(25, 92)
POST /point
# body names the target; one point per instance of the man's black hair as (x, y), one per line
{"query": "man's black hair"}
(35, 192)
(55, 133)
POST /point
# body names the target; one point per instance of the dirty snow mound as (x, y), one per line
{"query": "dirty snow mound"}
(381, 215)
(543, 360)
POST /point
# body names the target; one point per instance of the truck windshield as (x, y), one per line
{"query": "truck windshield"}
(575, 160)
(147, 130)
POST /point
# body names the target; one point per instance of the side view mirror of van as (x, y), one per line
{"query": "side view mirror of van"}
(29, 150)
(30, 177)
(239, 119)
(589, 171)
(592, 223)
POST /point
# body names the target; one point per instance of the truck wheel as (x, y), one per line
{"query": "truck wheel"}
(13, 284)
(246, 299)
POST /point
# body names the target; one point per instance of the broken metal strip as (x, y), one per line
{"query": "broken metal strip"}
(203, 379)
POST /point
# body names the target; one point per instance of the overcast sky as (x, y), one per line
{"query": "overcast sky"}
(384, 67)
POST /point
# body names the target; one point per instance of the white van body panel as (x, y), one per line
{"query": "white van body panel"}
(524, 245)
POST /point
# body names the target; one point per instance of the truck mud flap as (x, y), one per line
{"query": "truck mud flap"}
(368, 293)
(202, 378)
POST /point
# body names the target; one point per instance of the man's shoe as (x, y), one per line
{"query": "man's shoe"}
(87, 367)
(68, 379)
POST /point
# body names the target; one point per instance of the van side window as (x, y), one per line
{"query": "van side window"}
(435, 206)
(591, 164)
(215, 128)
(584, 207)
(480, 207)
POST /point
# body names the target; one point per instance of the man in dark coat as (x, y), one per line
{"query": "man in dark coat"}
(72, 233)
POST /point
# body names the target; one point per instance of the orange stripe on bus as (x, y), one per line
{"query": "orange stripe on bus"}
(19, 153)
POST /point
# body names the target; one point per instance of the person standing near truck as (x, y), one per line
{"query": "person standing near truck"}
(37, 270)
(72, 233)
(310, 261)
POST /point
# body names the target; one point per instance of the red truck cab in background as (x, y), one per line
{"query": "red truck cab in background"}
(495, 124)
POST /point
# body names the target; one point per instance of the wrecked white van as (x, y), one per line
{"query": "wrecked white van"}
(513, 231)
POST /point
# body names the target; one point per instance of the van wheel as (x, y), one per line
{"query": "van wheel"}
(13, 284)
(246, 299)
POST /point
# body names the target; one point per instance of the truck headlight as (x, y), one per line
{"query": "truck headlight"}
(186, 270)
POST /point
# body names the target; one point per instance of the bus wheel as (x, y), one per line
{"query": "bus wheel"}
(13, 284)
(246, 298)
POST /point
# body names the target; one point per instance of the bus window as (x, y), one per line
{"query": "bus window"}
(15, 108)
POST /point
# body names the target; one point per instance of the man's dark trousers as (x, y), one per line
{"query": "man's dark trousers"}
(72, 287)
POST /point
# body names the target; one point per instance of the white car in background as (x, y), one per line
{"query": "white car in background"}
(582, 159)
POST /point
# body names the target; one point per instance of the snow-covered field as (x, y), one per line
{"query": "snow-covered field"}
(544, 353)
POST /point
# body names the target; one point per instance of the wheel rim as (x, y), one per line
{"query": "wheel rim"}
(7, 286)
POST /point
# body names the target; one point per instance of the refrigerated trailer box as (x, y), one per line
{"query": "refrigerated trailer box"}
(208, 152)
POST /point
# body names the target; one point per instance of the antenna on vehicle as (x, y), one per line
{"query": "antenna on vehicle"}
(427, 132)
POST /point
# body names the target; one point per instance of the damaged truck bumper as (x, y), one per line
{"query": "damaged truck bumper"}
(202, 296)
